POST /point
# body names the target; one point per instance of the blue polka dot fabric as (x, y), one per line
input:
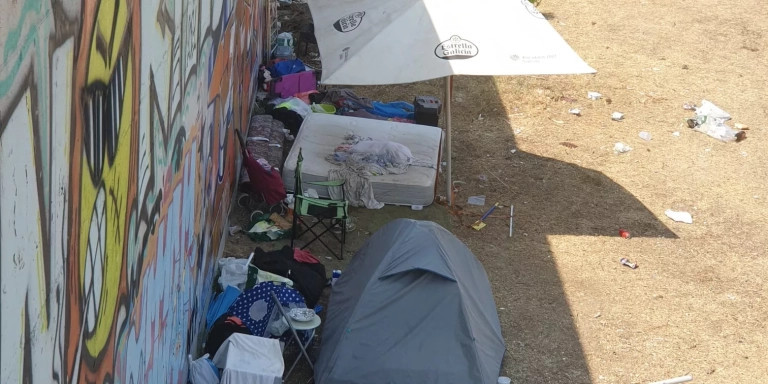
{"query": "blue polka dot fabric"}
(257, 310)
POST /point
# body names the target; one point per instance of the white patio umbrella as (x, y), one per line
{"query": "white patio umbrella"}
(376, 42)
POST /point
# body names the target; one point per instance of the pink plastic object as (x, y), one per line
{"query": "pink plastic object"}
(289, 85)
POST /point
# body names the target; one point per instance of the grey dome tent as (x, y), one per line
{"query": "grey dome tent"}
(414, 306)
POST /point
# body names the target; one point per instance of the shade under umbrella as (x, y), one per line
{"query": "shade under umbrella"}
(374, 42)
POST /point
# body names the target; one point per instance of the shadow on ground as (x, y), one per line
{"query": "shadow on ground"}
(551, 197)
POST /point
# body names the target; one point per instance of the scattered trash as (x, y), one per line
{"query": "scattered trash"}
(417, 207)
(569, 145)
(617, 116)
(645, 136)
(476, 200)
(478, 225)
(679, 216)
(511, 215)
(676, 380)
(480, 117)
(594, 95)
(335, 276)
(503, 380)
(311, 193)
(234, 229)
(234, 272)
(280, 222)
(689, 106)
(625, 262)
(512, 150)
(621, 148)
(575, 111)
(740, 126)
(710, 119)
(624, 234)
(676, 134)
(558, 121)
(518, 131)
(597, 315)
(483, 178)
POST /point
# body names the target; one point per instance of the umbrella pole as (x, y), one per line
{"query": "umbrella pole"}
(448, 86)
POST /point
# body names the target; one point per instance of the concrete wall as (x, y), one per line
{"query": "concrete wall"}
(117, 165)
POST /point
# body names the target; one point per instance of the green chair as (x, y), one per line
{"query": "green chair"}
(330, 214)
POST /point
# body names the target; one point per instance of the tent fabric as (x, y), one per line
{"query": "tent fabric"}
(373, 42)
(413, 306)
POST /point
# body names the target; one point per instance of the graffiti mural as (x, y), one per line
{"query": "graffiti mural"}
(116, 174)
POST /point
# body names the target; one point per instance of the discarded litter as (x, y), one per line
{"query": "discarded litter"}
(679, 216)
(624, 234)
(676, 380)
(625, 262)
(645, 135)
(710, 119)
(594, 95)
(503, 380)
(483, 178)
(512, 150)
(476, 200)
(621, 148)
(617, 116)
(676, 134)
(575, 111)
(740, 126)
(335, 275)
(417, 207)
(689, 106)
(234, 229)
(480, 224)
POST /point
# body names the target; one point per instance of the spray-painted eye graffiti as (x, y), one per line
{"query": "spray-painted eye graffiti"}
(116, 168)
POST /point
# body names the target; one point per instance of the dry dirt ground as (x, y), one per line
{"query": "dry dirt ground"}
(570, 313)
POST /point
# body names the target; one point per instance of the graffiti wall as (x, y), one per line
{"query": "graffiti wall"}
(117, 166)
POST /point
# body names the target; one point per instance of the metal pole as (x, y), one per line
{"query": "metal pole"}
(448, 86)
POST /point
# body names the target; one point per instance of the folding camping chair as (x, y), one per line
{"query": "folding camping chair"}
(302, 346)
(328, 213)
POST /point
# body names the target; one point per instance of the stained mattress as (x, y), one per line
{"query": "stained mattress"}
(320, 134)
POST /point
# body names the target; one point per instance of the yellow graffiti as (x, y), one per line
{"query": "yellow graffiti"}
(104, 202)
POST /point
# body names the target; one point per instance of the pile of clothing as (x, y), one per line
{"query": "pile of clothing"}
(245, 304)
(359, 159)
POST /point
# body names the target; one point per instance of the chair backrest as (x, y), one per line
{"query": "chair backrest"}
(298, 190)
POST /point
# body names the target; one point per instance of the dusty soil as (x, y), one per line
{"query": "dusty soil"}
(570, 313)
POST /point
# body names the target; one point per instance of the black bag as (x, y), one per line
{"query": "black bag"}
(308, 278)
(222, 328)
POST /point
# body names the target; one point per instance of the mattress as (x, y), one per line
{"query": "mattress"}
(321, 133)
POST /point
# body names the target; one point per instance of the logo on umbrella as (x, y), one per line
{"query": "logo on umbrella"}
(532, 9)
(456, 48)
(349, 22)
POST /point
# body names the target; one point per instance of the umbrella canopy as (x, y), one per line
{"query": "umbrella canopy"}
(370, 42)
(373, 42)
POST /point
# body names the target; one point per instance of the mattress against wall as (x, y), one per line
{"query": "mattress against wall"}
(320, 134)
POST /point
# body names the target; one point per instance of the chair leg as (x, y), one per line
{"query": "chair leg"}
(294, 230)
(343, 237)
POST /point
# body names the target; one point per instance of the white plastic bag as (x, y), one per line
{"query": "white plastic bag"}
(294, 104)
(234, 272)
(710, 119)
(202, 371)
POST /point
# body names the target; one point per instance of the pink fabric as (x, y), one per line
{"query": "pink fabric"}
(303, 256)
